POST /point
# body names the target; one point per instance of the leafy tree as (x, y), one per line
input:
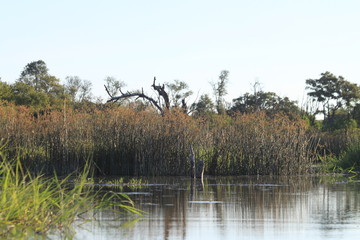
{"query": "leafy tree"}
(33, 75)
(85, 91)
(5, 91)
(25, 94)
(78, 90)
(113, 85)
(264, 101)
(341, 121)
(355, 114)
(178, 92)
(220, 91)
(40, 86)
(56, 91)
(332, 93)
(204, 106)
(350, 93)
(113, 88)
(72, 87)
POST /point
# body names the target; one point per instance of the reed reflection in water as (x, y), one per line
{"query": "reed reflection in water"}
(237, 208)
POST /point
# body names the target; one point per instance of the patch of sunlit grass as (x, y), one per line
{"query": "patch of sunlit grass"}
(36, 204)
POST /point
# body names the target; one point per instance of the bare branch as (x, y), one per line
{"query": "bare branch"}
(184, 106)
(160, 89)
(162, 93)
(138, 95)
(107, 90)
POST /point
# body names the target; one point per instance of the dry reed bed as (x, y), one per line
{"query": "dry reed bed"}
(121, 141)
(256, 144)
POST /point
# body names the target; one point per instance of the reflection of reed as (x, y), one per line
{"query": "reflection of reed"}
(262, 198)
(196, 185)
(241, 204)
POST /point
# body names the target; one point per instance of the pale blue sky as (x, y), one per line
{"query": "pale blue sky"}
(280, 43)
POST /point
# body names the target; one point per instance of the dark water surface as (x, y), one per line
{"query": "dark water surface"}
(236, 208)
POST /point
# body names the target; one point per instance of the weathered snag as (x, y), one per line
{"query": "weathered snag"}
(192, 162)
(196, 170)
(160, 89)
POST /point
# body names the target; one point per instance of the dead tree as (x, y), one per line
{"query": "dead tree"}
(184, 106)
(196, 169)
(163, 97)
(192, 162)
(162, 103)
(200, 169)
(162, 93)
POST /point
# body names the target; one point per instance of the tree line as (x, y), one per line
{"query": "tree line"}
(330, 96)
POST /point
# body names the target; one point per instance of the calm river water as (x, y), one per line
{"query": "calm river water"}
(236, 208)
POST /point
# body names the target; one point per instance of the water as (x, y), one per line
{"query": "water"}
(236, 208)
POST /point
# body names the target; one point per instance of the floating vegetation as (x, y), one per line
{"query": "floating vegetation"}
(121, 181)
(137, 181)
(115, 181)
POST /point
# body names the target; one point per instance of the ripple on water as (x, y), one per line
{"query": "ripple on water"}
(206, 202)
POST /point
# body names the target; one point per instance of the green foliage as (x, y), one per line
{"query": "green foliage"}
(35, 88)
(33, 75)
(72, 87)
(332, 93)
(341, 120)
(32, 205)
(204, 106)
(113, 85)
(36, 75)
(318, 125)
(27, 95)
(220, 91)
(78, 90)
(260, 101)
(350, 158)
(355, 114)
(5, 91)
(122, 181)
(137, 181)
(115, 181)
(178, 91)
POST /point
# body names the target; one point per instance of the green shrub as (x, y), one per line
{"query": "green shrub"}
(350, 158)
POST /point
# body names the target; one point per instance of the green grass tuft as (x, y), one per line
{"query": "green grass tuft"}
(37, 205)
(350, 158)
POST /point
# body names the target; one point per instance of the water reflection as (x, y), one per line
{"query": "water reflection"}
(236, 208)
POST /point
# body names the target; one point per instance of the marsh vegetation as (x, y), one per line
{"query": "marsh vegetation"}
(53, 133)
(121, 141)
(33, 205)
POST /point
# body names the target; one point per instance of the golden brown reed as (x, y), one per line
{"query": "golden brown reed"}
(122, 141)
